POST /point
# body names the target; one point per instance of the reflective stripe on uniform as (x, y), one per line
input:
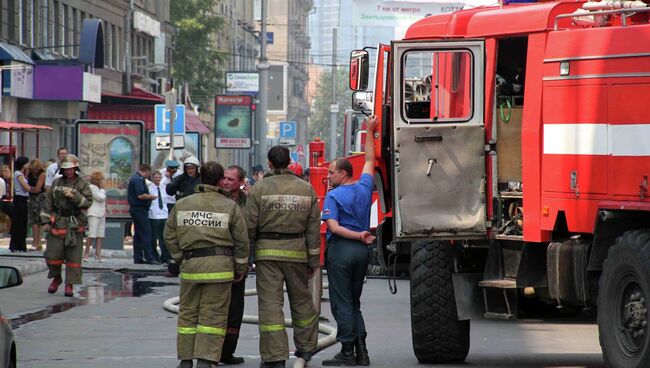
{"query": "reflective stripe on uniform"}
(211, 330)
(271, 328)
(73, 265)
(314, 252)
(280, 253)
(187, 330)
(243, 260)
(207, 276)
(304, 323)
(54, 262)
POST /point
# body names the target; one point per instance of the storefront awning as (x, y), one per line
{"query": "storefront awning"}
(137, 96)
(10, 125)
(144, 113)
(194, 124)
(11, 52)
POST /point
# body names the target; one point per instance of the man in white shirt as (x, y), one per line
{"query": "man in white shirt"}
(53, 170)
(168, 173)
(158, 214)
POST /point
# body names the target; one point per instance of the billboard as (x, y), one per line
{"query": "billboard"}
(233, 121)
(114, 148)
(397, 14)
(243, 82)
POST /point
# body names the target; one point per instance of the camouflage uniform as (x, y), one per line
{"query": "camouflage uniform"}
(67, 224)
(283, 219)
(203, 234)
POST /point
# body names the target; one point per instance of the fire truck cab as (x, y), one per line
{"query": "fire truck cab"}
(513, 168)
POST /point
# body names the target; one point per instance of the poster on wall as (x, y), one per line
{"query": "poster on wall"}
(233, 123)
(157, 158)
(115, 149)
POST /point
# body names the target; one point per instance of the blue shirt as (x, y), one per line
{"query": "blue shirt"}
(137, 186)
(350, 205)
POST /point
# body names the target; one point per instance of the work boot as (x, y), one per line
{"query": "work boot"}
(54, 285)
(69, 290)
(344, 358)
(186, 364)
(278, 364)
(361, 352)
(231, 360)
(202, 363)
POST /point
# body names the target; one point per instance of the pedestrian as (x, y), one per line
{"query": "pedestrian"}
(36, 181)
(169, 173)
(5, 173)
(53, 171)
(18, 242)
(257, 172)
(6, 205)
(96, 216)
(346, 211)
(206, 235)
(139, 202)
(232, 182)
(68, 196)
(158, 214)
(283, 219)
(183, 185)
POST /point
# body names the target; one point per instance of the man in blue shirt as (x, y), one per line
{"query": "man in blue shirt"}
(139, 202)
(347, 213)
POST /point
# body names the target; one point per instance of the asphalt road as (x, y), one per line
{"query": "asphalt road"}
(113, 328)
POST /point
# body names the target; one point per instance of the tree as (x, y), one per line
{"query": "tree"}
(319, 125)
(196, 59)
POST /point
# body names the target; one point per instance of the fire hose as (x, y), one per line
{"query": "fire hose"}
(171, 305)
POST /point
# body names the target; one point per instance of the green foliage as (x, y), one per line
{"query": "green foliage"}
(319, 125)
(196, 58)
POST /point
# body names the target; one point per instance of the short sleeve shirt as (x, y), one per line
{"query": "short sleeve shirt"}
(18, 189)
(51, 174)
(138, 186)
(350, 205)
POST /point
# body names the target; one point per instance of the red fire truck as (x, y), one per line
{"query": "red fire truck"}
(513, 165)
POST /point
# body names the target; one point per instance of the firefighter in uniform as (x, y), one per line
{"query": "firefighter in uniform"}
(62, 213)
(206, 235)
(283, 220)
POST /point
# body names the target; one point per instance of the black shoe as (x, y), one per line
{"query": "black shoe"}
(154, 262)
(139, 262)
(278, 364)
(202, 363)
(186, 364)
(231, 360)
(361, 351)
(344, 358)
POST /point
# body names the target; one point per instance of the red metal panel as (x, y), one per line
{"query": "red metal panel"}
(591, 172)
(628, 103)
(580, 214)
(598, 42)
(575, 104)
(626, 176)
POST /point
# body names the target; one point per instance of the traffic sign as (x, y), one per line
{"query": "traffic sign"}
(288, 133)
(162, 120)
(294, 156)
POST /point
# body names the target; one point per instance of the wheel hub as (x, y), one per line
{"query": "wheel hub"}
(635, 315)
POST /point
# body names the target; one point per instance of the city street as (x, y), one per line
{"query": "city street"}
(119, 321)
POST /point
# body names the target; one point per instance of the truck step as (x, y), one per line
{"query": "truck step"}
(499, 298)
(499, 283)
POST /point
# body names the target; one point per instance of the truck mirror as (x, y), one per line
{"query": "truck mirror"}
(362, 101)
(359, 70)
(9, 277)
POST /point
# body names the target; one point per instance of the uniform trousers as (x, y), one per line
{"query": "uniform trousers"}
(347, 264)
(235, 317)
(202, 317)
(142, 251)
(56, 254)
(271, 277)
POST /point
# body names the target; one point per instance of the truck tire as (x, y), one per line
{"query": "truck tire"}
(438, 335)
(623, 302)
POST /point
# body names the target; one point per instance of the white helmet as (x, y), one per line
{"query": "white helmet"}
(191, 161)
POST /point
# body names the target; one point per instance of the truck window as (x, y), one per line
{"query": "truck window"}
(437, 86)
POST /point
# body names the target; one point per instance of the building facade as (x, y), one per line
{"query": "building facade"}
(47, 41)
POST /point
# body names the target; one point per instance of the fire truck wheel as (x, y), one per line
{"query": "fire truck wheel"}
(438, 335)
(623, 302)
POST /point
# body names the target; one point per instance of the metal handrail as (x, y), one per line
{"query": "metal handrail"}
(602, 12)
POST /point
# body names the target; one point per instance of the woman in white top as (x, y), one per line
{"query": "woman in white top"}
(18, 241)
(96, 216)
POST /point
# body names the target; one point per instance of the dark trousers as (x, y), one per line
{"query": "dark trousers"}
(18, 240)
(347, 264)
(142, 251)
(158, 240)
(235, 317)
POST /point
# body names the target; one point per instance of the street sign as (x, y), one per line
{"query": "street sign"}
(162, 142)
(288, 133)
(294, 156)
(162, 120)
(300, 150)
(269, 38)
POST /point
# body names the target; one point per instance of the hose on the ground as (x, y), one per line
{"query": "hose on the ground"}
(171, 305)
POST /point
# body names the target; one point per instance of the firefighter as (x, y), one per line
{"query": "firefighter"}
(183, 185)
(283, 220)
(62, 213)
(206, 236)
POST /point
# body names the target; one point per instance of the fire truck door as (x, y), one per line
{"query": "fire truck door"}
(439, 139)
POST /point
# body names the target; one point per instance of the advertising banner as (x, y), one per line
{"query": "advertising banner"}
(397, 14)
(233, 123)
(243, 82)
(115, 149)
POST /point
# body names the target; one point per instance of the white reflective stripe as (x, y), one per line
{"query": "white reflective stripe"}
(597, 139)
(202, 219)
(241, 260)
(314, 252)
(374, 216)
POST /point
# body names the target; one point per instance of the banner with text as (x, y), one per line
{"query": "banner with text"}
(115, 149)
(233, 123)
(397, 14)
